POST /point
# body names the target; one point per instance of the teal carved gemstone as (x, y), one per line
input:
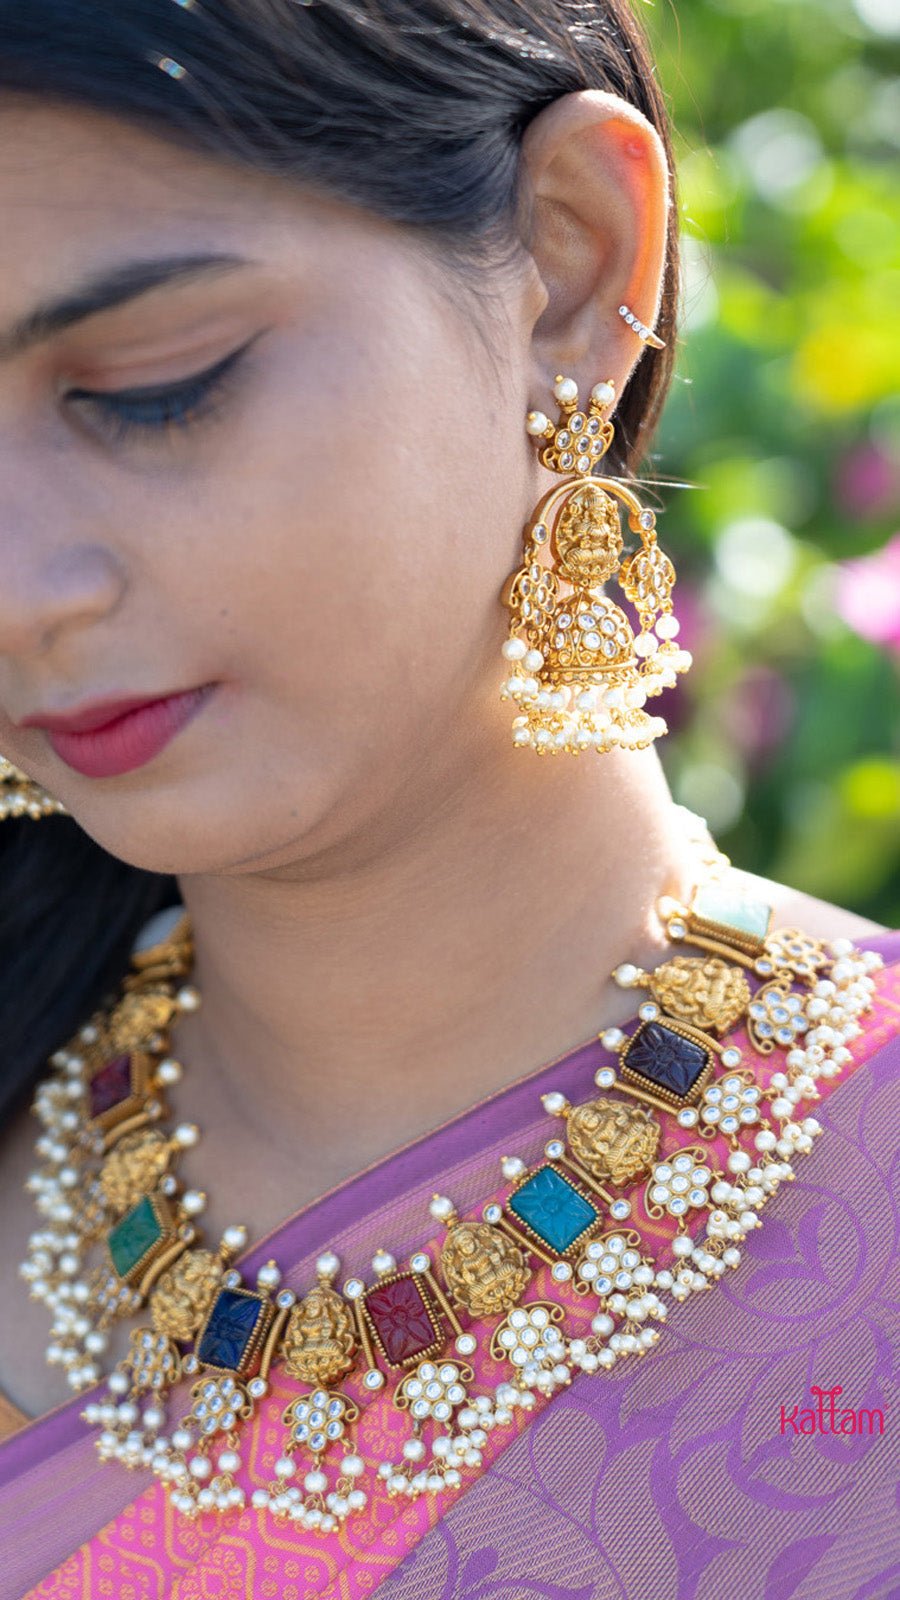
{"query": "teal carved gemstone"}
(130, 1239)
(553, 1209)
(733, 911)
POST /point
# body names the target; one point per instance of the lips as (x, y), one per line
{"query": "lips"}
(120, 735)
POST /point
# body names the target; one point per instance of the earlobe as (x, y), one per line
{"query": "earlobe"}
(596, 212)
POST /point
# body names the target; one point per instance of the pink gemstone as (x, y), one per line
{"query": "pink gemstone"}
(110, 1085)
(400, 1315)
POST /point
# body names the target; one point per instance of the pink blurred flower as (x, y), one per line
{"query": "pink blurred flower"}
(868, 594)
(867, 481)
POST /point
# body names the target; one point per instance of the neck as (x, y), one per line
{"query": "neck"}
(373, 1000)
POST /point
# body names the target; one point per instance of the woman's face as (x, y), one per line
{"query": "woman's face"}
(326, 538)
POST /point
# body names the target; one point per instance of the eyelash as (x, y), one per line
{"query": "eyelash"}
(179, 405)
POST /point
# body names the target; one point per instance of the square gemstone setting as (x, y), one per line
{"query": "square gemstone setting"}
(402, 1320)
(232, 1335)
(672, 1063)
(718, 910)
(119, 1089)
(552, 1210)
(110, 1086)
(138, 1237)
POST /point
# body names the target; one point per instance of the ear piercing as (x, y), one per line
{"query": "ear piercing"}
(643, 333)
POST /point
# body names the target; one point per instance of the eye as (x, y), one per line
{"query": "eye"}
(163, 406)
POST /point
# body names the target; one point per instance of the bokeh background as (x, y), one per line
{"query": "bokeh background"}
(784, 420)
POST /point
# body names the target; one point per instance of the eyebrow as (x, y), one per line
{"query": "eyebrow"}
(115, 287)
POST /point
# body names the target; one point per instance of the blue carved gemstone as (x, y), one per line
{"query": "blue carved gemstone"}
(229, 1329)
(131, 1239)
(553, 1209)
(666, 1058)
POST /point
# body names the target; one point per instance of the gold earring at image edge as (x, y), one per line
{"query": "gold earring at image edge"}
(15, 784)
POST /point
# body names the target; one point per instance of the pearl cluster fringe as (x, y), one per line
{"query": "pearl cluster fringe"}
(55, 1259)
(566, 718)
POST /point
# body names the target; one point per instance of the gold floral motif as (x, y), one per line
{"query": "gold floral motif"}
(319, 1419)
(587, 539)
(185, 1292)
(532, 593)
(587, 636)
(109, 1297)
(319, 1340)
(485, 1272)
(153, 1360)
(796, 951)
(137, 1016)
(707, 993)
(647, 579)
(134, 1167)
(91, 1218)
(614, 1141)
(219, 1402)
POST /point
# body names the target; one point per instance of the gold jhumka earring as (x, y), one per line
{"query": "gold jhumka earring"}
(579, 674)
(20, 796)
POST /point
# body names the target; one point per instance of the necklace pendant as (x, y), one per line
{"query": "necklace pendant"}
(316, 1422)
(147, 1240)
(720, 919)
(320, 1340)
(121, 1096)
(622, 1276)
(776, 1018)
(134, 1167)
(613, 1141)
(484, 1269)
(531, 1340)
(234, 1350)
(666, 1063)
(554, 1208)
(793, 955)
(399, 1317)
(707, 993)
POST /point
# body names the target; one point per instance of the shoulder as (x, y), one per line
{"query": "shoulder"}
(820, 918)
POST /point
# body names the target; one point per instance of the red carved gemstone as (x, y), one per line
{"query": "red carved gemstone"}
(110, 1085)
(400, 1315)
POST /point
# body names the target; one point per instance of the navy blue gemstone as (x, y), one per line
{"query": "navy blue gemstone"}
(553, 1209)
(666, 1058)
(229, 1329)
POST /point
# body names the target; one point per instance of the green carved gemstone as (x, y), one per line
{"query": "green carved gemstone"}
(733, 911)
(131, 1239)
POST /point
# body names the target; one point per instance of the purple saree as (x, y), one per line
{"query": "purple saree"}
(753, 1453)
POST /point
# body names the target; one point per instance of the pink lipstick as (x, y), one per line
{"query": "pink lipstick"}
(127, 738)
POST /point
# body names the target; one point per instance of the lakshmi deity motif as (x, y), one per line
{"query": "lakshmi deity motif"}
(587, 539)
(485, 1272)
(612, 1140)
(185, 1292)
(706, 993)
(320, 1340)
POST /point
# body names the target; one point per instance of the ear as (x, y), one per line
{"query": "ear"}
(594, 216)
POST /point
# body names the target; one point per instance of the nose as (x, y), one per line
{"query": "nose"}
(49, 588)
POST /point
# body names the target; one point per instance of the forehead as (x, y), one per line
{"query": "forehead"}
(81, 193)
(73, 156)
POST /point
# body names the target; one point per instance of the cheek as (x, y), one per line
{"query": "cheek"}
(361, 565)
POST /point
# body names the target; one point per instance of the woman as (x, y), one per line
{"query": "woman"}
(290, 294)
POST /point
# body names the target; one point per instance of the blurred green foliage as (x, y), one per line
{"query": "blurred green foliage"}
(784, 420)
